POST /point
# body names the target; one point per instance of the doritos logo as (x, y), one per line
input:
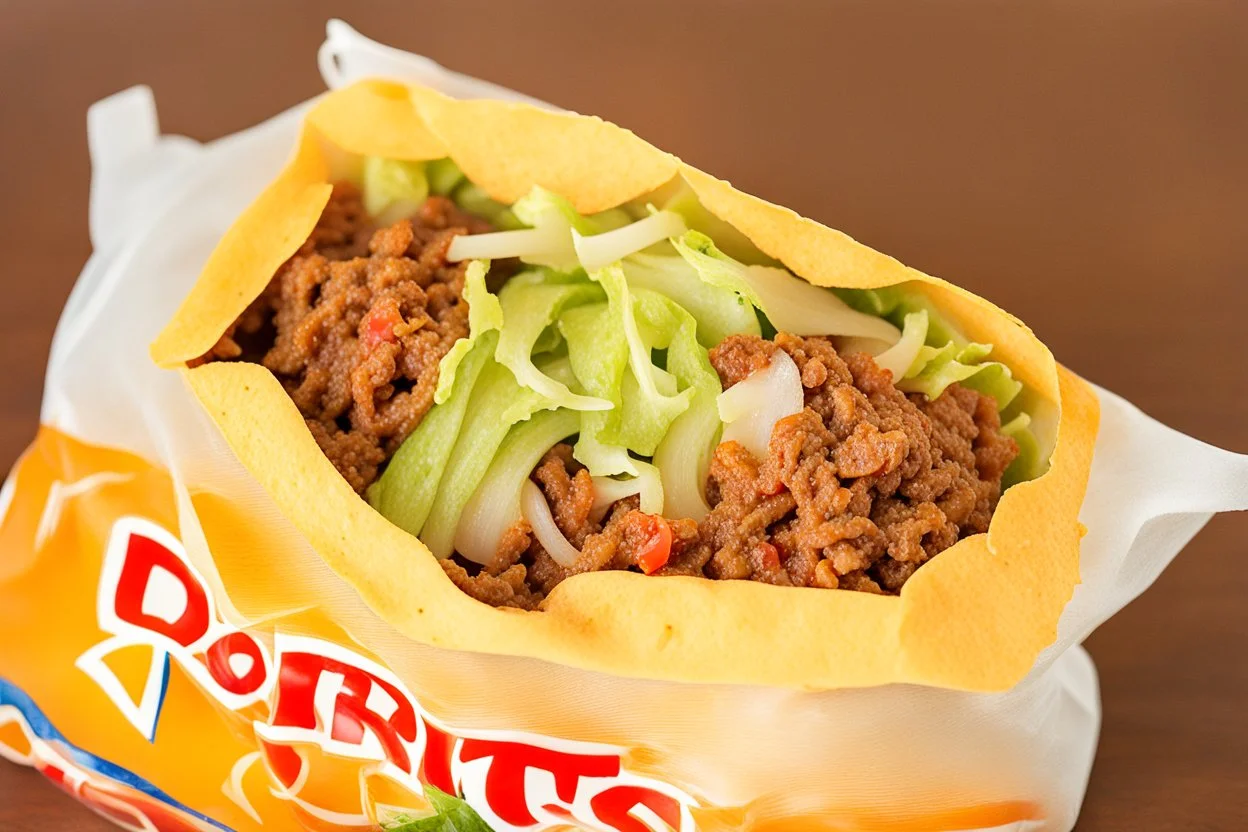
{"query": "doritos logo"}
(349, 707)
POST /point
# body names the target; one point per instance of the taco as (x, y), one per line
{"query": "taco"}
(536, 387)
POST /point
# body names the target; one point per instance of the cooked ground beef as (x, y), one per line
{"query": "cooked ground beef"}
(857, 491)
(360, 318)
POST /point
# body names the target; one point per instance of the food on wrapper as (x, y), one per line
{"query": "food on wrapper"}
(499, 471)
(879, 461)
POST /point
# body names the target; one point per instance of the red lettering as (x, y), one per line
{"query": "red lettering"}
(143, 555)
(284, 762)
(297, 681)
(435, 766)
(615, 805)
(504, 782)
(217, 658)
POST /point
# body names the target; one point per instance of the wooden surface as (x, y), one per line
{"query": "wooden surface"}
(1085, 165)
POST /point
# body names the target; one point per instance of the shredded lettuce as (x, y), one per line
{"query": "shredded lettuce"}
(407, 489)
(473, 199)
(727, 238)
(531, 302)
(719, 311)
(649, 399)
(444, 176)
(495, 505)
(936, 368)
(606, 337)
(485, 313)
(790, 303)
(683, 456)
(393, 189)
(900, 357)
(598, 352)
(497, 402)
(1028, 464)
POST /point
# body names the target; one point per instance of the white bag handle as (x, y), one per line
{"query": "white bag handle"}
(129, 158)
(346, 56)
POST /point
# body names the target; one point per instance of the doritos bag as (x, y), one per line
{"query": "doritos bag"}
(491, 469)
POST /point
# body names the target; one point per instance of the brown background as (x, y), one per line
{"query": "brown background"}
(1085, 165)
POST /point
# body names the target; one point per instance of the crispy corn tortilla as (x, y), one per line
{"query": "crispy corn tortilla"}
(974, 618)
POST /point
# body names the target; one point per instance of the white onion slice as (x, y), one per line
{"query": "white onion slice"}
(647, 483)
(751, 408)
(898, 358)
(793, 305)
(536, 510)
(599, 250)
(526, 242)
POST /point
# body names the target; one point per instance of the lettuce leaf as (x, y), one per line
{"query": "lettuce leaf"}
(444, 176)
(485, 313)
(472, 199)
(649, 399)
(531, 302)
(408, 487)
(684, 454)
(451, 814)
(719, 311)
(790, 303)
(938, 367)
(901, 357)
(496, 403)
(393, 189)
(727, 238)
(1028, 464)
(598, 352)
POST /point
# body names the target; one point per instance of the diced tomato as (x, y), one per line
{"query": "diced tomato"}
(379, 325)
(768, 555)
(654, 553)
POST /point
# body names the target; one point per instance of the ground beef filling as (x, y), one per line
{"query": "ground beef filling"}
(857, 491)
(357, 321)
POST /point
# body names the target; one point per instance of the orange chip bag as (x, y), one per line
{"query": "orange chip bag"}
(215, 612)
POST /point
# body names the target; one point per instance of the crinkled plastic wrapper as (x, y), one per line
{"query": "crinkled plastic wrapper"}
(202, 628)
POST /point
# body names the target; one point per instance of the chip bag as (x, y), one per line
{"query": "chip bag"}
(203, 626)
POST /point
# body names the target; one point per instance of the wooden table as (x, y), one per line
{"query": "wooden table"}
(1084, 165)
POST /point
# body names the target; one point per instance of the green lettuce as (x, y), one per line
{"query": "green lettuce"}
(1028, 464)
(485, 313)
(727, 238)
(936, 368)
(393, 189)
(683, 456)
(473, 199)
(719, 311)
(790, 303)
(531, 302)
(496, 403)
(451, 814)
(444, 176)
(649, 399)
(598, 352)
(408, 487)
